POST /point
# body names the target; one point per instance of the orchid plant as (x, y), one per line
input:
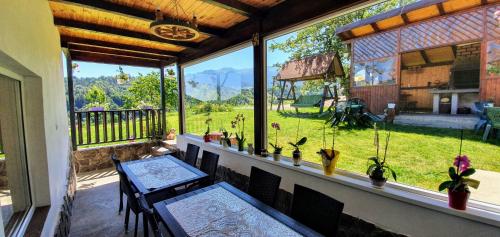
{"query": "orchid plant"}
(379, 167)
(227, 137)
(323, 151)
(207, 122)
(459, 172)
(277, 148)
(298, 142)
(239, 124)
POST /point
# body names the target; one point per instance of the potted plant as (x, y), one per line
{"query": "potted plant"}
(297, 155)
(329, 157)
(277, 148)
(239, 125)
(458, 186)
(226, 138)
(378, 170)
(206, 137)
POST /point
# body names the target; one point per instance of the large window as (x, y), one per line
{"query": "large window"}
(376, 72)
(419, 155)
(219, 89)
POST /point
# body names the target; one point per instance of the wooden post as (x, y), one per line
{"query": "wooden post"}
(162, 102)
(259, 92)
(180, 108)
(71, 98)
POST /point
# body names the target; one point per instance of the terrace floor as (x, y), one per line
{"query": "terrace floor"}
(95, 209)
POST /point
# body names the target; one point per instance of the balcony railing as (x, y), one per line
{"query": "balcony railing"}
(96, 127)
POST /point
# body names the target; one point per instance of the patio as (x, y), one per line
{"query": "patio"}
(179, 178)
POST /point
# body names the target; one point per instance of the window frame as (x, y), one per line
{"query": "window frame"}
(429, 194)
(182, 67)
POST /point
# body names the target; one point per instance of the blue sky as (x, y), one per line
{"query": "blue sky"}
(240, 59)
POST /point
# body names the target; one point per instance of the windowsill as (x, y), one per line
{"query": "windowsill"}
(476, 211)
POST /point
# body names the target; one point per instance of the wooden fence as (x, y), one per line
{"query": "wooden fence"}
(95, 127)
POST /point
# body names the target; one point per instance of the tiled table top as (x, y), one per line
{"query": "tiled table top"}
(156, 173)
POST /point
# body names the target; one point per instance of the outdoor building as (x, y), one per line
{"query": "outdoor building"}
(249, 118)
(439, 58)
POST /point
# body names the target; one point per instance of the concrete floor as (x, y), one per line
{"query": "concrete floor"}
(95, 210)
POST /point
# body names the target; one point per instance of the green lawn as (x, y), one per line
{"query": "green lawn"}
(420, 155)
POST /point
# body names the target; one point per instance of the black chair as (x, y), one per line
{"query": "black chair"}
(117, 164)
(149, 214)
(209, 162)
(263, 185)
(316, 210)
(132, 201)
(192, 154)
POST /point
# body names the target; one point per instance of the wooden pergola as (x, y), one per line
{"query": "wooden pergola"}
(117, 32)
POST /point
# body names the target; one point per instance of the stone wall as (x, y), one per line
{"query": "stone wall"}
(349, 225)
(64, 224)
(91, 159)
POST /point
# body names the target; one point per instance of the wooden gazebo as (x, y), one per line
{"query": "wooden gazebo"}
(325, 67)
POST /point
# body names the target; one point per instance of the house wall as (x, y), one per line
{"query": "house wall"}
(30, 50)
(366, 203)
(473, 25)
(419, 78)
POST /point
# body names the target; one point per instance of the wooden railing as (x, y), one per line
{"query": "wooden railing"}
(95, 127)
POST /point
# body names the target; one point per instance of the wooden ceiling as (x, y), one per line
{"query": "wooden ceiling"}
(411, 13)
(117, 31)
(434, 56)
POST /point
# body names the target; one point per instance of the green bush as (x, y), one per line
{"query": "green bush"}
(212, 107)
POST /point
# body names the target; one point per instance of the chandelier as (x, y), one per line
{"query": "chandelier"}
(175, 28)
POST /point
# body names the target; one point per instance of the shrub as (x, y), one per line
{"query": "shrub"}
(212, 107)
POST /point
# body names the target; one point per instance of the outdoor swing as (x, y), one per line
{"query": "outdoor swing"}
(326, 67)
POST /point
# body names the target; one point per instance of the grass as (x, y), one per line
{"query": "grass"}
(420, 155)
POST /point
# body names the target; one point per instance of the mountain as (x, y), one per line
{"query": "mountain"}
(203, 85)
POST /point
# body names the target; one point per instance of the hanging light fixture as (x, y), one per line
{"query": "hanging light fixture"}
(175, 28)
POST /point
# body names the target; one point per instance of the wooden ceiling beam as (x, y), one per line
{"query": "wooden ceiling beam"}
(97, 49)
(441, 9)
(236, 6)
(425, 57)
(105, 44)
(129, 12)
(280, 17)
(405, 19)
(81, 55)
(375, 27)
(119, 32)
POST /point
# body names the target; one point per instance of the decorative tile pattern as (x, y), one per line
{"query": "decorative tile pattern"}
(218, 212)
(156, 173)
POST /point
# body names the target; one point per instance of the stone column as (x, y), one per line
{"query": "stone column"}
(435, 103)
(454, 103)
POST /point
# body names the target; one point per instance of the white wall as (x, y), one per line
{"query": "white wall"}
(372, 206)
(30, 47)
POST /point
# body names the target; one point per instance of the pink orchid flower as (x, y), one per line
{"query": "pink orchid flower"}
(463, 161)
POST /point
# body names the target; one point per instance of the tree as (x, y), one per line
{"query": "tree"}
(320, 38)
(145, 91)
(95, 95)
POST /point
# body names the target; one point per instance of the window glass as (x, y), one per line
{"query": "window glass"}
(376, 72)
(219, 89)
(15, 198)
(420, 151)
(493, 58)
